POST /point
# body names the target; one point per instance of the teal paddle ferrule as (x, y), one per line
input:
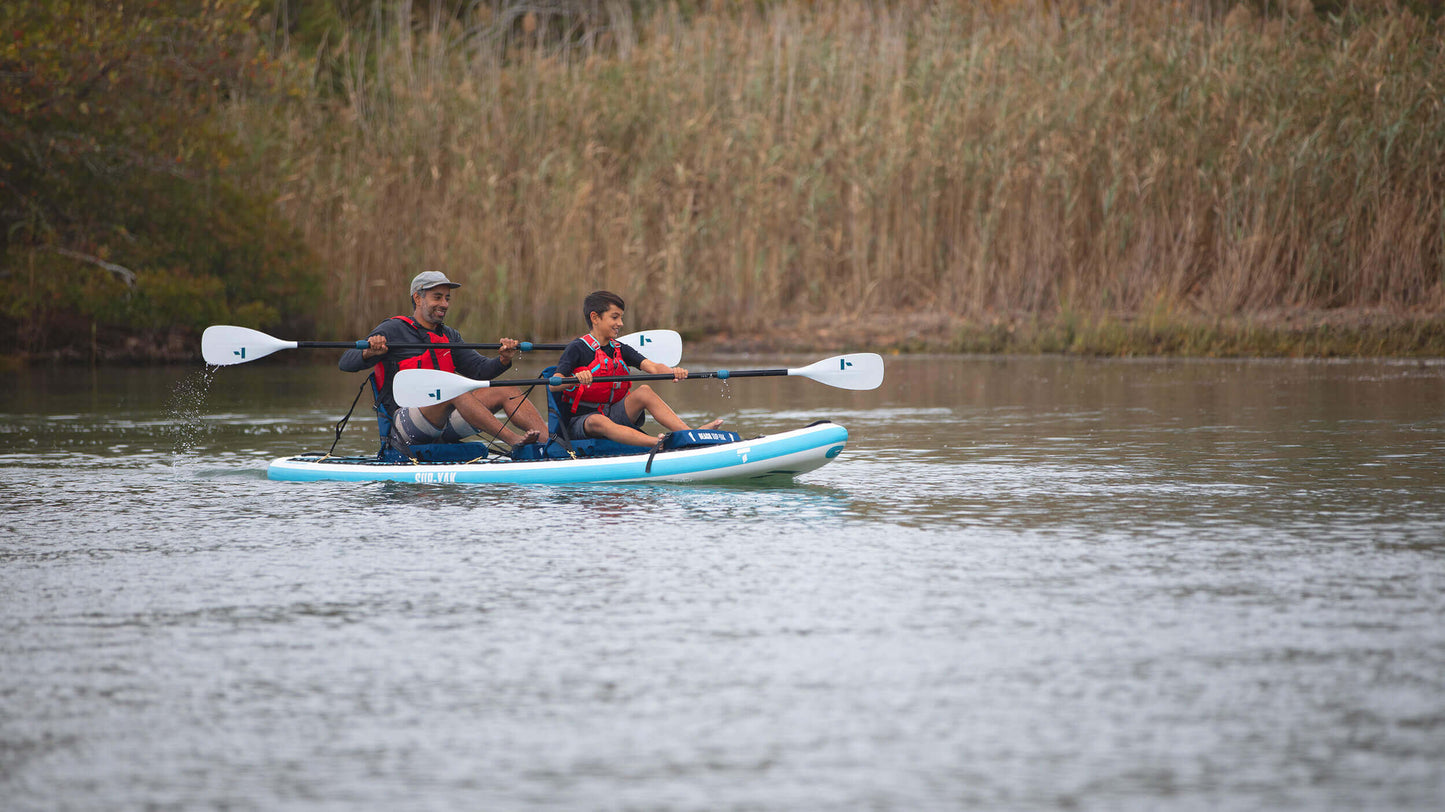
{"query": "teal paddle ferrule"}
(722, 374)
(362, 344)
(555, 380)
(525, 346)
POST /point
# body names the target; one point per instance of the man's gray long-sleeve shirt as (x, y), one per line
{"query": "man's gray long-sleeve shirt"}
(470, 363)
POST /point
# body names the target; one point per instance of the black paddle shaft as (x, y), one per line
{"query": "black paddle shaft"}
(721, 374)
(524, 346)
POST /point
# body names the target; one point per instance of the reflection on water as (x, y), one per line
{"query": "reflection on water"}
(1028, 583)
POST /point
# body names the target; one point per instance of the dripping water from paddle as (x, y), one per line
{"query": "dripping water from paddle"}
(184, 408)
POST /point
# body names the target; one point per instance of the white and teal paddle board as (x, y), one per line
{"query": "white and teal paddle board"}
(772, 456)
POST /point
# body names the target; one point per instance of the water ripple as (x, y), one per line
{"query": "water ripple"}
(1026, 584)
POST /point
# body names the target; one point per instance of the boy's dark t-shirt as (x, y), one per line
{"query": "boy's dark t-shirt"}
(578, 355)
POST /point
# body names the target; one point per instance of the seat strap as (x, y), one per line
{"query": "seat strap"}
(341, 424)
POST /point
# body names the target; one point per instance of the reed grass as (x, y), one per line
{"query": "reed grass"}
(737, 166)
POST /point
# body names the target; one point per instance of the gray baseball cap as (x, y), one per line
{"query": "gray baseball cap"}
(426, 280)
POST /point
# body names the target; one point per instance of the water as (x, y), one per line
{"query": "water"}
(1029, 583)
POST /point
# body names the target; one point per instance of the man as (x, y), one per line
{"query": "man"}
(463, 416)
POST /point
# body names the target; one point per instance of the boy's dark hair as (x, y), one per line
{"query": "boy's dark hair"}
(597, 302)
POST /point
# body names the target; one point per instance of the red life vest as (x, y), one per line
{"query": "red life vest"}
(428, 359)
(594, 395)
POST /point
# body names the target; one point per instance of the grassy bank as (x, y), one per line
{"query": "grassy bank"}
(1018, 175)
(1333, 334)
(732, 170)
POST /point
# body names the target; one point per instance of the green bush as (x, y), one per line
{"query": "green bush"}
(121, 202)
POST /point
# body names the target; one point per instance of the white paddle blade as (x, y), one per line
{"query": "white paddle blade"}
(662, 346)
(428, 387)
(859, 370)
(223, 345)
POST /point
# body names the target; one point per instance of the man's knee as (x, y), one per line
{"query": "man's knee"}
(477, 396)
(493, 400)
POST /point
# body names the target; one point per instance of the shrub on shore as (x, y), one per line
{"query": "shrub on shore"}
(122, 215)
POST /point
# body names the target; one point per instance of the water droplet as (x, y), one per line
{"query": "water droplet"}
(184, 408)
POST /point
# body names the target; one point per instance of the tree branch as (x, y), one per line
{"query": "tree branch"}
(126, 275)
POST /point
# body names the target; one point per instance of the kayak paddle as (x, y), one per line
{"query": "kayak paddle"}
(223, 345)
(428, 387)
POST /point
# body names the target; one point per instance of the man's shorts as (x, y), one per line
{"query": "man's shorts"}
(416, 429)
(616, 412)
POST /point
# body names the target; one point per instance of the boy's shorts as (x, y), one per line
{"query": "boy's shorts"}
(417, 429)
(616, 412)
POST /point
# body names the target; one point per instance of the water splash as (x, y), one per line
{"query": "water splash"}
(184, 408)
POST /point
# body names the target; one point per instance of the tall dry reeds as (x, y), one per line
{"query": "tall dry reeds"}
(734, 168)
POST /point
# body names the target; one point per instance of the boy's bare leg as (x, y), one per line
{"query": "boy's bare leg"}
(643, 398)
(600, 425)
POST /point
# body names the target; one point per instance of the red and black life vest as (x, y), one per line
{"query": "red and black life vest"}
(592, 396)
(428, 359)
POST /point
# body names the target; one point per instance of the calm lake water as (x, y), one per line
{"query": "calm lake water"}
(1029, 583)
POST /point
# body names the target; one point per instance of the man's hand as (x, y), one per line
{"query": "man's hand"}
(376, 346)
(509, 350)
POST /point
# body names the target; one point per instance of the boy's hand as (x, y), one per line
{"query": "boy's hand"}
(678, 373)
(583, 376)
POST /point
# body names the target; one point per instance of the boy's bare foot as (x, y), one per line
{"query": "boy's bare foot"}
(530, 437)
(714, 424)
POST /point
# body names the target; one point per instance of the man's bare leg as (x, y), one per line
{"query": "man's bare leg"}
(477, 407)
(518, 408)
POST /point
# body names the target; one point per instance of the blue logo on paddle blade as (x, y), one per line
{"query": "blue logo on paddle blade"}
(241, 352)
(437, 395)
(844, 363)
(644, 339)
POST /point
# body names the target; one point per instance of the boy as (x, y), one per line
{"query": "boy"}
(611, 410)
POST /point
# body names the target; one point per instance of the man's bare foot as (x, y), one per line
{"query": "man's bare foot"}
(530, 437)
(714, 424)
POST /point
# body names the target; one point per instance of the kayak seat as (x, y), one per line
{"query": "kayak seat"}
(696, 438)
(436, 452)
(422, 452)
(556, 447)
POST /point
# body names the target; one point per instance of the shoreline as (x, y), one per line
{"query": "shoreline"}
(1332, 334)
